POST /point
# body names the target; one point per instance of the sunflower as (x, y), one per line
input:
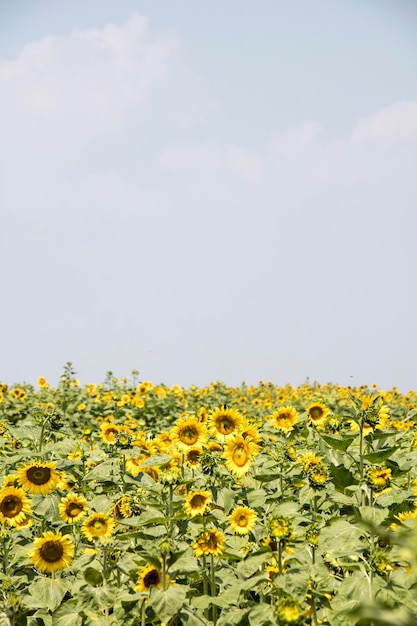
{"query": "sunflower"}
(149, 576)
(197, 502)
(209, 542)
(242, 520)
(250, 431)
(284, 419)
(98, 526)
(289, 613)
(189, 433)
(108, 432)
(14, 505)
(238, 454)
(52, 552)
(72, 508)
(317, 413)
(39, 477)
(224, 423)
(192, 457)
(318, 475)
(280, 527)
(378, 478)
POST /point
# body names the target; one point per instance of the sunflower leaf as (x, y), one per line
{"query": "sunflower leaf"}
(48, 592)
(167, 603)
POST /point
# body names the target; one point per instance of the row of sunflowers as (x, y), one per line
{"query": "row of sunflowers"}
(132, 503)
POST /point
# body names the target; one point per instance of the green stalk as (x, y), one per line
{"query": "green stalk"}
(213, 588)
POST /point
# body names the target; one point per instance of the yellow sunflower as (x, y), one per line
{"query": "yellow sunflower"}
(317, 413)
(242, 520)
(250, 431)
(39, 477)
(14, 505)
(209, 542)
(72, 508)
(238, 454)
(189, 433)
(196, 502)
(224, 423)
(192, 457)
(98, 526)
(149, 576)
(284, 419)
(52, 552)
(108, 432)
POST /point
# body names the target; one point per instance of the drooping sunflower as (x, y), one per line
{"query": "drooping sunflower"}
(284, 419)
(149, 576)
(189, 433)
(39, 477)
(196, 502)
(242, 520)
(378, 478)
(52, 552)
(98, 526)
(317, 413)
(224, 423)
(209, 542)
(238, 454)
(14, 505)
(73, 508)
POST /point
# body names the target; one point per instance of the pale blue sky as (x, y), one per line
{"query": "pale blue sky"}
(205, 191)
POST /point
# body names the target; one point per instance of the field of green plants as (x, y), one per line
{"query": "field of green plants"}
(129, 503)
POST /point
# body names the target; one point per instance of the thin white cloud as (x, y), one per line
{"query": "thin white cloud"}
(69, 89)
(390, 125)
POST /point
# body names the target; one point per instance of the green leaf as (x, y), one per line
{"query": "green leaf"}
(342, 477)
(67, 615)
(338, 443)
(167, 603)
(48, 592)
(157, 459)
(226, 499)
(262, 615)
(381, 455)
(106, 471)
(372, 515)
(93, 577)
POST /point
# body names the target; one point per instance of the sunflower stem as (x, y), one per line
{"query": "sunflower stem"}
(41, 436)
(280, 557)
(143, 613)
(213, 587)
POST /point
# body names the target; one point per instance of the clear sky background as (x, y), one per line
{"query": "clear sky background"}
(209, 190)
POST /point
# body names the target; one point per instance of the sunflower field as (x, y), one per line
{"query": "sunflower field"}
(132, 503)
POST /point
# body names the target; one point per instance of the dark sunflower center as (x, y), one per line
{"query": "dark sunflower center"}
(316, 413)
(226, 425)
(189, 435)
(212, 542)
(98, 527)
(74, 509)
(11, 506)
(51, 551)
(38, 475)
(194, 455)
(242, 520)
(151, 578)
(197, 501)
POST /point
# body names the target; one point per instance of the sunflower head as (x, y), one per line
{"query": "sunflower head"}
(242, 520)
(14, 505)
(284, 419)
(238, 455)
(317, 413)
(280, 527)
(209, 542)
(189, 433)
(197, 502)
(224, 422)
(318, 475)
(39, 477)
(289, 613)
(149, 576)
(98, 526)
(73, 508)
(52, 552)
(379, 478)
